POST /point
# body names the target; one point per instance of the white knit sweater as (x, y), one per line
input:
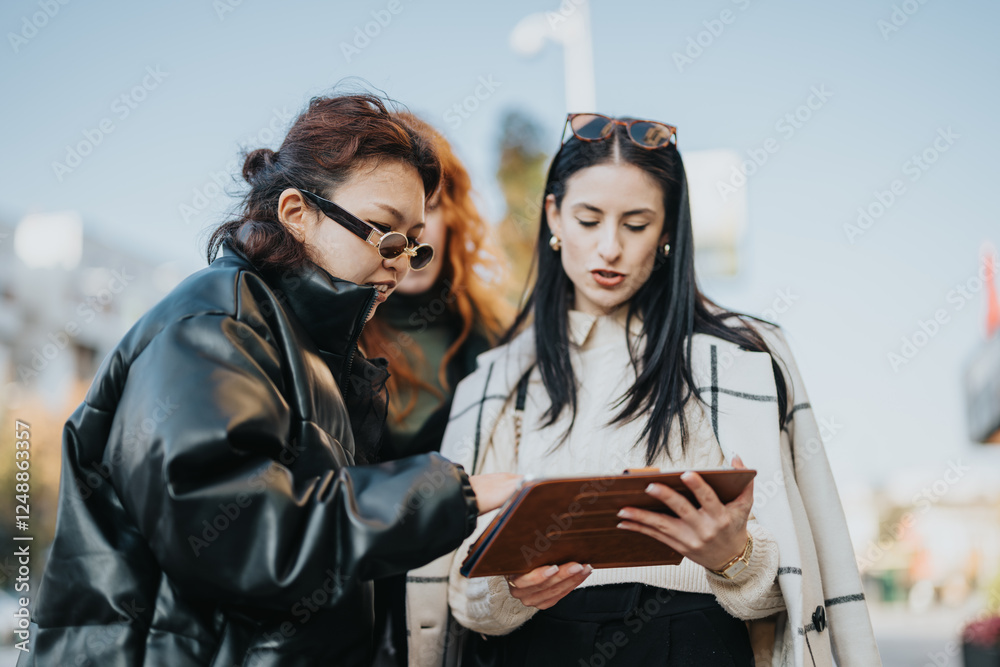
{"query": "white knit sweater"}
(599, 355)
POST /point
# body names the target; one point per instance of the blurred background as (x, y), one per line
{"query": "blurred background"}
(842, 181)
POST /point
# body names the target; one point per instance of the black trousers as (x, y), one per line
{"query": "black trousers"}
(390, 612)
(618, 625)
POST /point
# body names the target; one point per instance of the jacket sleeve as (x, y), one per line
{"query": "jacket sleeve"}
(201, 452)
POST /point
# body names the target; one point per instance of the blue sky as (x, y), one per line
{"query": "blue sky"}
(213, 78)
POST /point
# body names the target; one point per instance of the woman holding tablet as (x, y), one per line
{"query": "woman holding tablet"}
(618, 361)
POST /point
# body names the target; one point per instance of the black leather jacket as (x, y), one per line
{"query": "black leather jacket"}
(211, 512)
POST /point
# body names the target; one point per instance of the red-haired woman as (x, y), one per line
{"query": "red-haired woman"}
(212, 510)
(432, 329)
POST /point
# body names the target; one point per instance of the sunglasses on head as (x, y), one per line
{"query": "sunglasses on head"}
(648, 134)
(389, 245)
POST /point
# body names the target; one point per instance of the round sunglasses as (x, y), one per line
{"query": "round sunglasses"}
(648, 134)
(389, 245)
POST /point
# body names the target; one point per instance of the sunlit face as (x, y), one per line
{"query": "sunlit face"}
(611, 224)
(389, 196)
(436, 234)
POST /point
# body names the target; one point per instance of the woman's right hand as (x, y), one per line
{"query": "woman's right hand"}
(493, 489)
(544, 586)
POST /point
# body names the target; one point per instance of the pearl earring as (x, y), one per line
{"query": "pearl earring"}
(555, 243)
(666, 249)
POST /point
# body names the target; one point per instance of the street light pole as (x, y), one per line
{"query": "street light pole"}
(719, 222)
(570, 27)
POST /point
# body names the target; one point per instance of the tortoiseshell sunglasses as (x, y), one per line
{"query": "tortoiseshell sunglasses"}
(648, 134)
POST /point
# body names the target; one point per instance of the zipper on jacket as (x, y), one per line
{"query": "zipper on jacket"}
(354, 343)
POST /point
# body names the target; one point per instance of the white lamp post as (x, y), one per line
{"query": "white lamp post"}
(719, 222)
(570, 27)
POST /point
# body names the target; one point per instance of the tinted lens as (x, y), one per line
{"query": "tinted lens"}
(425, 254)
(591, 127)
(650, 134)
(392, 245)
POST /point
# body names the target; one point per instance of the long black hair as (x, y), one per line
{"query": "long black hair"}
(669, 304)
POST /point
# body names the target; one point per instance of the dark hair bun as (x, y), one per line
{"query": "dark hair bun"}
(258, 162)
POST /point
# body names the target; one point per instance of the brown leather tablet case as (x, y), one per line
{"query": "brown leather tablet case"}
(555, 521)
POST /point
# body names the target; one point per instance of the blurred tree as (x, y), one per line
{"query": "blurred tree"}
(521, 175)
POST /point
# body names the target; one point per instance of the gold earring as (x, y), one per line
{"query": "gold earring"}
(555, 243)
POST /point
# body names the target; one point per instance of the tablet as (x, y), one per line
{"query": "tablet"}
(574, 519)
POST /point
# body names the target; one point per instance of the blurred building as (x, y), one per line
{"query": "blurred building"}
(65, 301)
(982, 372)
(937, 538)
(982, 392)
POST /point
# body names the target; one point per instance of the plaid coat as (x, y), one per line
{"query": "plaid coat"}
(795, 497)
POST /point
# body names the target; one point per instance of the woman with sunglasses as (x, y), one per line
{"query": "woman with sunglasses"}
(216, 508)
(618, 361)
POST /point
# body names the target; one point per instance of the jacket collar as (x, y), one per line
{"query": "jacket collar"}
(331, 310)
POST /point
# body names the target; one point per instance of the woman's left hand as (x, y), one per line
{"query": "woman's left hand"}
(711, 535)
